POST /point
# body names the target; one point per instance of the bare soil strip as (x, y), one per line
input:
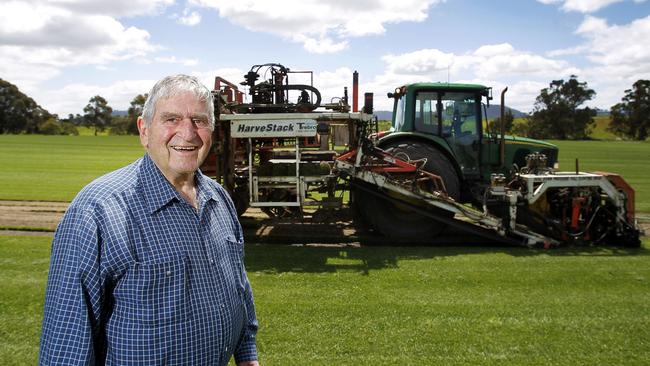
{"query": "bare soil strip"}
(42, 217)
(31, 215)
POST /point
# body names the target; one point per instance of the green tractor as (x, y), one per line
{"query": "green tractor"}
(446, 124)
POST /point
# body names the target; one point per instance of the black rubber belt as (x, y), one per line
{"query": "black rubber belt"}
(457, 224)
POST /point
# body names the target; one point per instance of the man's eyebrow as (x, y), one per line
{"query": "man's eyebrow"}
(166, 115)
(199, 115)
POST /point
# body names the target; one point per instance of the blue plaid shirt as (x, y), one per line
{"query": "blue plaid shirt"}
(140, 277)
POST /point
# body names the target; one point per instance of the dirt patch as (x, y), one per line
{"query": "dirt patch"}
(31, 215)
(42, 217)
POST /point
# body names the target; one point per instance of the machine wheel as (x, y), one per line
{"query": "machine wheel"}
(241, 199)
(399, 221)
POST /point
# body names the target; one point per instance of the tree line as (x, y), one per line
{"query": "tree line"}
(557, 114)
(21, 114)
(99, 116)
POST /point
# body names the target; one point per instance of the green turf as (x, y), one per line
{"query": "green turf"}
(89, 131)
(627, 158)
(36, 167)
(599, 130)
(419, 305)
(57, 167)
(23, 273)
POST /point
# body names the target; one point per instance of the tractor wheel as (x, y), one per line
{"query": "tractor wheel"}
(399, 221)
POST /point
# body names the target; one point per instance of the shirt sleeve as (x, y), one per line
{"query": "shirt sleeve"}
(247, 349)
(71, 323)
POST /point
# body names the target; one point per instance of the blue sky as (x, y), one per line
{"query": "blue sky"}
(63, 52)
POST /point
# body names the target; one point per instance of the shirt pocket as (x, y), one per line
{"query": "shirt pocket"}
(235, 253)
(161, 292)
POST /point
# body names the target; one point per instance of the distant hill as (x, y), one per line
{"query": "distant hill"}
(602, 112)
(493, 111)
(117, 113)
(384, 115)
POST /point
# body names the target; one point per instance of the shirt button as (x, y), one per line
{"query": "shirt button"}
(211, 261)
(168, 273)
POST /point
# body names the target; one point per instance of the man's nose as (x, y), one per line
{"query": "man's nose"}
(187, 129)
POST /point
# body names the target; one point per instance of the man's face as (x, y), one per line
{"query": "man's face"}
(179, 137)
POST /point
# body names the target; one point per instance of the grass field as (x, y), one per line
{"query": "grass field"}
(599, 131)
(55, 168)
(627, 158)
(421, 306)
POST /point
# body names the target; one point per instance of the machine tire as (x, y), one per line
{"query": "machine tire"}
(240, 199)
(398, 221)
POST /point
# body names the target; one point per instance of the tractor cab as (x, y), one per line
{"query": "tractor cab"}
(451, 118)
(448, 115)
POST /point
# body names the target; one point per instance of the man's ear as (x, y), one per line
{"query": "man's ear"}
(144, 132)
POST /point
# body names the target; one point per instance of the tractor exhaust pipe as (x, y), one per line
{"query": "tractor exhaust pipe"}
(502, 141)
(355, 91)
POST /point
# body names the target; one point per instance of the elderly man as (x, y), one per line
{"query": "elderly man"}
(147, 263)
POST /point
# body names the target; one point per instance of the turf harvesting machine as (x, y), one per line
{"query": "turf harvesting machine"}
(440, 165)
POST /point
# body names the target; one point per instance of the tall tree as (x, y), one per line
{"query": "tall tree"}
(126, 125)
(508, 118)
(631, 117)
(18, 112)
(98, 113)
(557, 114)
(135, 111)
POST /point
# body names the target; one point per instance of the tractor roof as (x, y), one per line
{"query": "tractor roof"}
(449, 86)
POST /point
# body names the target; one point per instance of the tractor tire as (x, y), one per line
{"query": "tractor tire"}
(399, 221)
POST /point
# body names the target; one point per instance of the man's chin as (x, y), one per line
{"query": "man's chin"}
(185, 168)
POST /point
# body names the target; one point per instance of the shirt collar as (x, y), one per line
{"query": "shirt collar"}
(204, 189)
(158, 192)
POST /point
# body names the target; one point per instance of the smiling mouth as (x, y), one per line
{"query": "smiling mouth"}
(184, 148)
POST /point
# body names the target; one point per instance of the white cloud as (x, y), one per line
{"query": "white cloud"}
(331, 85)
(73, 97)
(38, 39)
(495, 65)
(190, 18)
(233, 75)
(322, 26)
(174, 60)
(489, 61)
(584, 6)
(494, 50)
(420, 62)
(321, 45)
(117, 8)
(617, 45)
(618, 55)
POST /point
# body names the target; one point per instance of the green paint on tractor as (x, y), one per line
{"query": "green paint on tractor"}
(451, 118)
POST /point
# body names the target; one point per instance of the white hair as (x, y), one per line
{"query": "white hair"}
(176, 85)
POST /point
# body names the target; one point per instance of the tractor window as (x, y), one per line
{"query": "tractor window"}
(459, 114)
(426, 115)
(460, 127)
(400, 108)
